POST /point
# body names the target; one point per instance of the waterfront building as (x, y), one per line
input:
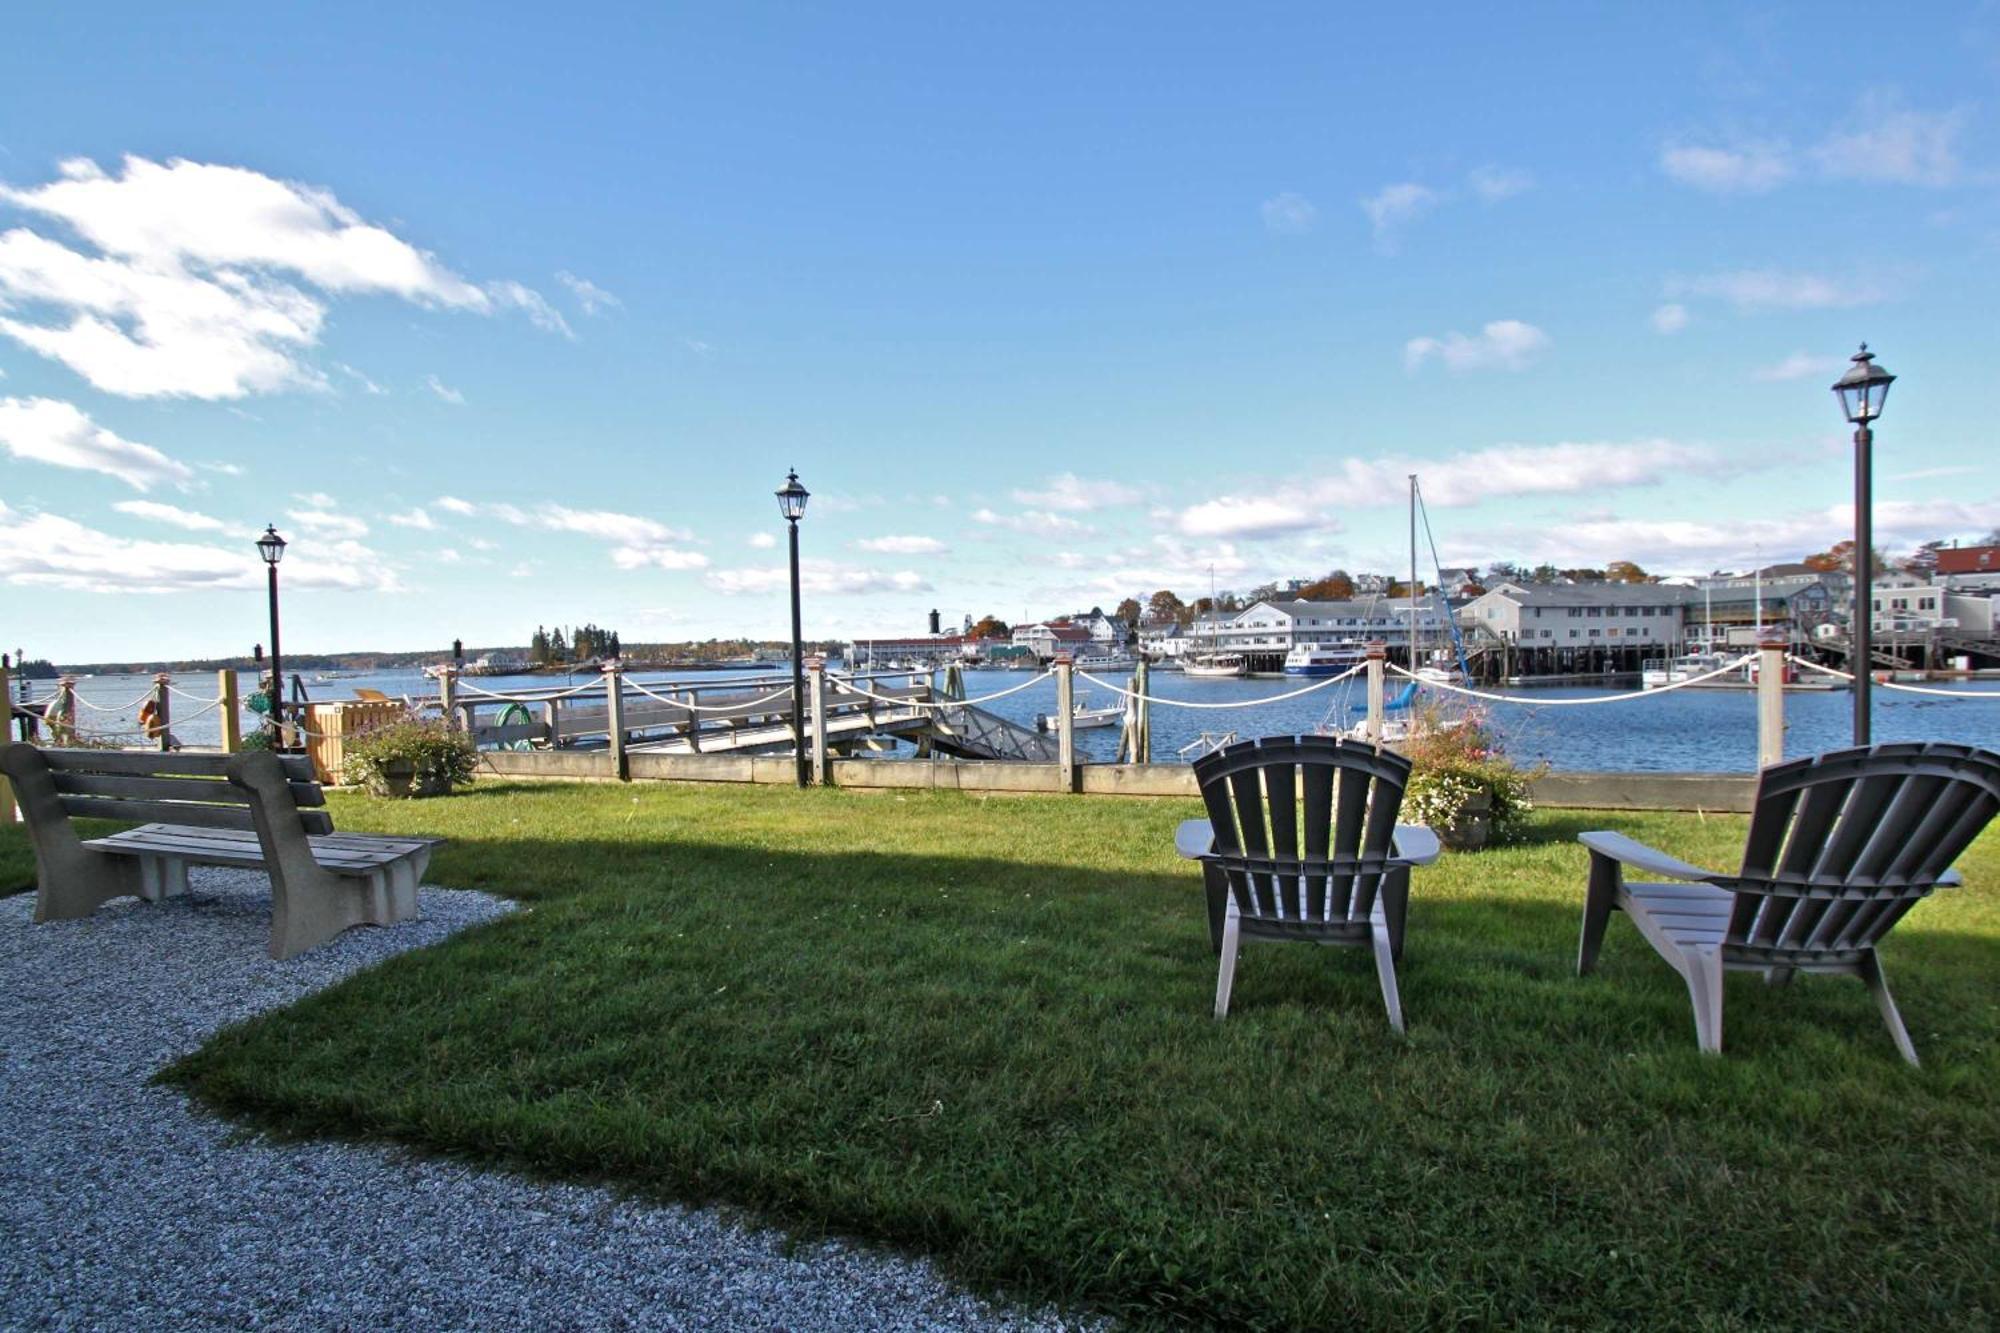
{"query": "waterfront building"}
(1970, 568)
(1265, 632)
(1162, 640)
(1792, 601)
(1047, 638)
(1906, 605)
(1578, 616)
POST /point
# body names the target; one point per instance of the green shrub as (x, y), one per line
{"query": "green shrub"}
(438, 758)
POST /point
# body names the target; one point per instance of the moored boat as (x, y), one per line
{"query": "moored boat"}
(1324, 659)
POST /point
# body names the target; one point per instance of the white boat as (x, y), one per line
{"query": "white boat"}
(1656, 672)
(1440, 670)
(1103, 661)
(1083, 717)
(1324, 659)
(1213, 666)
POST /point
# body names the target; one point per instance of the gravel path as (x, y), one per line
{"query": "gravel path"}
(123, 1207)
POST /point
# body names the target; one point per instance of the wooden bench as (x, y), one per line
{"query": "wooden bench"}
(254, 810)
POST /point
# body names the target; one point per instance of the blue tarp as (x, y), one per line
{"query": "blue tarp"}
(1401, 701)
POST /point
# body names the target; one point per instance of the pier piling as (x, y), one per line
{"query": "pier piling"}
(1770, 702)
(228, 711)
(1065, 669)
(1378, 658)
(816, 697)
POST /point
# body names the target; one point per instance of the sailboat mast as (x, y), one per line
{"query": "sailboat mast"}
(1413, 571)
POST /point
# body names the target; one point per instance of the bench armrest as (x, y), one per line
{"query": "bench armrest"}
(1194, 839)
(1416, 844)
(1631, 852)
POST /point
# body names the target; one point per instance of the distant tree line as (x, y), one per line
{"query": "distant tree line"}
(585, 643)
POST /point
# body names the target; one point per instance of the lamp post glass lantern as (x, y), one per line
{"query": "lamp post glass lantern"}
(792, 504)
(1862, 392)
(272, 548)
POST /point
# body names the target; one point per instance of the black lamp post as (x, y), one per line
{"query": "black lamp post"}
(792, 504)
(1861, 392)
(272, 547)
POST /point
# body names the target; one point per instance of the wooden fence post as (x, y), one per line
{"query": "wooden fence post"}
(7, 812)
(1142, 742)
(447, 679)
(816, 696)
(552, 719)
(1378, 656)
(1770, 702)
(63, 732)
(232, 720)
(614, 716)
(163, 703)
(1065, 667)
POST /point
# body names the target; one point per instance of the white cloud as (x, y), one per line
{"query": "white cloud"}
(155, 512)
(818, 577)
(637, 542)
(198, 287)
(1889, 144)
(51, 551)
(902, 545)
(1670, 318)
(1478, 475)
(1748, 167)
(1664, 545)
(1392, 206)
(326, 523)
(657, 557)
(444, 391)
(1238, 516)
(1755, 290)
(367, 385)
(1504, 344)
(1492, 184)
(47, 430)
(316, 499)
(1799, 366)
(446, 555)
(418, 518)
(1034, 522)
(511, 295)
(226, 469)
(762, 541)
(1069, 492)
(1288, 213)
(590, 297)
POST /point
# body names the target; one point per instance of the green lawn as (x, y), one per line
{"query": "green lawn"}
(980, 1029)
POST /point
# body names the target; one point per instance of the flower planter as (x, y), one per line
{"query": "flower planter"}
(1466, 830)
(398, 780)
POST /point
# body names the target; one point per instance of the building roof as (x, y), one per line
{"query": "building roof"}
(1968, 560)
(1591, 594)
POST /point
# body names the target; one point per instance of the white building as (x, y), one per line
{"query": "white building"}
(1578, 615)
(1279, 627)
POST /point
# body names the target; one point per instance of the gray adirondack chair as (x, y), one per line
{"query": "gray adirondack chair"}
(1302, 835)
(1841, 846)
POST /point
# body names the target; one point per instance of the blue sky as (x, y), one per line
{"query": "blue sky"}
(512, 314)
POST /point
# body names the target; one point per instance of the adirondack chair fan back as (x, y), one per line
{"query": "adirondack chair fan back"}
(1843, 845)
(1304, 830)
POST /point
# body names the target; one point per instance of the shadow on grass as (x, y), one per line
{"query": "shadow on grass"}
(1010, 1064)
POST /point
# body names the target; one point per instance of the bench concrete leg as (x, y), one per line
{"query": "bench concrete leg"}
(80, 885)
(307, 915)
(162, 877)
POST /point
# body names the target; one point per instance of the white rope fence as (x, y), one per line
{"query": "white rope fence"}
(1624, 697)
(586, 688)
(852, 688)
(1348, 674)
(692, 706)
(1987, 695)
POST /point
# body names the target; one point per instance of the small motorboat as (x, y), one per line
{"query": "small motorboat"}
(1083, 717)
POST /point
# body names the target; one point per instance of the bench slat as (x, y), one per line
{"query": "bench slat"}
(218, 792)
(169, 840)
(297, 767)
(172, 812)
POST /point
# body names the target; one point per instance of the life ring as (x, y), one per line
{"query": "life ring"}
(509, 716)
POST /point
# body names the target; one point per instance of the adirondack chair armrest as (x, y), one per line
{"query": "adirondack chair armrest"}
(1194, 839)
(1416, 845)
(1631, 852)
(1951, 879)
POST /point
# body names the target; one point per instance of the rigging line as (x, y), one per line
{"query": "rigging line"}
(1437, 567)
